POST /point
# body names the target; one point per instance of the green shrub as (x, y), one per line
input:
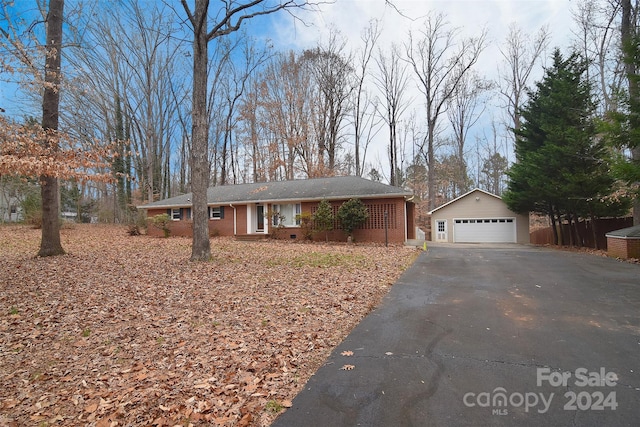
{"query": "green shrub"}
(306, 224)
(162, 222)
(351, 214)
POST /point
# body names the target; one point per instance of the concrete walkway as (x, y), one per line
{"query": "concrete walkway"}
(477, 335)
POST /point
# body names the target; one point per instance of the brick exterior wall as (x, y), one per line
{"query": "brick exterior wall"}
(623, 248)
(184, 227)
(373, 230)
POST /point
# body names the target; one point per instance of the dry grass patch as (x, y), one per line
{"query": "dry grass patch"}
(126, 331)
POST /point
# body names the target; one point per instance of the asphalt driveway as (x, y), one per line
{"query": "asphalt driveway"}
(501, 335)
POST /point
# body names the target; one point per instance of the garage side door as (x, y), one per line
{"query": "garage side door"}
(484, 230)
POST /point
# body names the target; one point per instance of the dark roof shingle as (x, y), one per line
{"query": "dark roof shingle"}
(340, 187)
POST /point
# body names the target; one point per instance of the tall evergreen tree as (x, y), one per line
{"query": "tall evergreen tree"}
(561, 167)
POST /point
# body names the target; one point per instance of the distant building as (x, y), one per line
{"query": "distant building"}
(10, 206)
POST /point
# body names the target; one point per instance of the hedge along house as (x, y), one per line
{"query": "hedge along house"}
(478, 217)
(248, 209)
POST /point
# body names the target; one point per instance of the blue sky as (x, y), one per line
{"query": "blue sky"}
(350, 17)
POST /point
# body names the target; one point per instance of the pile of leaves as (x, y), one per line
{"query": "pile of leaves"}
(125, 331)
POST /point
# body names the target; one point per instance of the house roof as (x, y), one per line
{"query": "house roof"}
(626, 233)
(339, 187)
(463, 196)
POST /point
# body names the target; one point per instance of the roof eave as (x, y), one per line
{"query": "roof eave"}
(463, 196)
(293, 199)
(613, 236)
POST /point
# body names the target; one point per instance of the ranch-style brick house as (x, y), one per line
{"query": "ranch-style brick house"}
(242, 210)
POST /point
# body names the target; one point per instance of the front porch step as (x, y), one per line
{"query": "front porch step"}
(250, 237)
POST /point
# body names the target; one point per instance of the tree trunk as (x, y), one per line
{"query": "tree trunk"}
(594, 231)
(571, 230)
(635, 155)
(431, 169)
(552, 215)
(199, 159)
(392, 152)
(50, 244)
(561, 238)
(627, 29)
(579, 235)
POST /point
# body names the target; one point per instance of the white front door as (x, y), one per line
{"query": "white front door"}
(441, 230)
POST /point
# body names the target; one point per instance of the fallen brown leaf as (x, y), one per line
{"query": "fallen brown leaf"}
(127, 330)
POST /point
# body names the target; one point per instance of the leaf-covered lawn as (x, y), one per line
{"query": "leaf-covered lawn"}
(125, 331)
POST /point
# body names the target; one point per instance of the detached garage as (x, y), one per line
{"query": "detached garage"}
(478, 217)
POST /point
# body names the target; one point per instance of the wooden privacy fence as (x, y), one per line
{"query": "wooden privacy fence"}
(544, 236)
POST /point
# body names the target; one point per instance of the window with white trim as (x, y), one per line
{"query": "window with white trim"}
(176, 215)
(216, 212)
(286, 215)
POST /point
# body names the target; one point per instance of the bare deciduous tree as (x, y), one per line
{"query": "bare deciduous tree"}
(392, 81)
(287, 111)
(333, 78)
(130, 89)
(596, 37)
(50, 243)
(628, 32)
(227, 18)
(364, 126)
(464, 109)
(440, 59)
(521, 54)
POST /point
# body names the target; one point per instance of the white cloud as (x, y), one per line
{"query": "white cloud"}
(351, 16)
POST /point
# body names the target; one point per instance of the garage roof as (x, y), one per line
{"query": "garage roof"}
(463, 196)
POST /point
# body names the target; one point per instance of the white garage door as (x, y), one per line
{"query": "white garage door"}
(484, 230)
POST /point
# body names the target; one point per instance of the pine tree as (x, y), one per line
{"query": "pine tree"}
(561, 167)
